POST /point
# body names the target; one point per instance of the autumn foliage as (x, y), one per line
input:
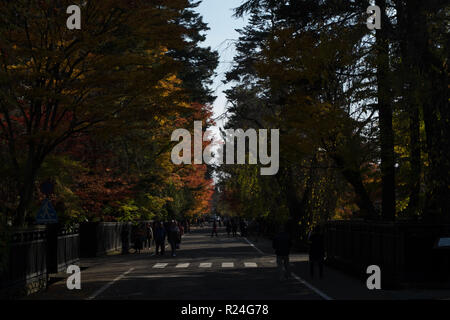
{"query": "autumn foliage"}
(92, 110)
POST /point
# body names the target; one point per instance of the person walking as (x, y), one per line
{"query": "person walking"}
(160, 238)
(243, 227)
(138, 237)
(256, 230)
(234, 227)
(125, 234)
(180, 235)
(228, 227)
(282, 245)
(316, 251)
(173, 237)
(214, 229)
(149, 235)
(188, 226)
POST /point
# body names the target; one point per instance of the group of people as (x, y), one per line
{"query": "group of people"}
(231, 226)
(282, 243)
(144, 234)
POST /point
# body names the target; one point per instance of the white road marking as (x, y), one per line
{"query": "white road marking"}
(310, 286)
(160, 265)
(250, 265)
(251, 244)
(320, 293)
(106, 286)
(182, 265)
(227, 265)
(205, 265)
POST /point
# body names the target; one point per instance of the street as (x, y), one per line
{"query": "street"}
(205, 268)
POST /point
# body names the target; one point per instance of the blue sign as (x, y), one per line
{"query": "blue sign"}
(47, 213)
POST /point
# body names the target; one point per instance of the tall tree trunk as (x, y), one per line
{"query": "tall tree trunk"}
(385, 119)
(411, 103)
(354, 177)
(285, 180)
(26, 197)
(434, 95)
(415, 159)
(26, 190)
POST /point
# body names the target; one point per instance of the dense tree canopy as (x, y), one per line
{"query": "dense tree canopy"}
(92, 110)
(363, 114)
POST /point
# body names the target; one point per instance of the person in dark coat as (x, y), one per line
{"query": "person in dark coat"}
(243, 226)
(142, 234)
(125, 240)
(228, 227)
(149, 235)
(234, 227)
(138, 238)
(316, 251)
(214, 229)
(173, 236)
(160, 238)
(282, 243)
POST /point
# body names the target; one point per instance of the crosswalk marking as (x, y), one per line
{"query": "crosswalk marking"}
(182, 265)
(205, 265)
(227, 265)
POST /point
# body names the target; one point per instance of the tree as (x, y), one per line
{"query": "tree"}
(343, 97)
(56, 83)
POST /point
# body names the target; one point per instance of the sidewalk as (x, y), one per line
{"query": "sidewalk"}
(339, 286)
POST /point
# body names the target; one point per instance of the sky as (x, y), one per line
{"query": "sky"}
(218, 15)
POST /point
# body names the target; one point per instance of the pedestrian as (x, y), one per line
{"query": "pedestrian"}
(125, 240)
(256, 230)
(214, 229)
(173, 237)
(234, 227)
(138, 238)
(243, 227)
(188, 226)
(316, 251)
(282, 244)
(149, 235)
(181, 233)
(160, 238)
(228, 227)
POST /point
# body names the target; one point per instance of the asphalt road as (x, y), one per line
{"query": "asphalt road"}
(205, 268)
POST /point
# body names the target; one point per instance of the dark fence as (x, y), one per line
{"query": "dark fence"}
(26, 265)
(63, 248)
(405, 251)
(99, 238)
(35, 253)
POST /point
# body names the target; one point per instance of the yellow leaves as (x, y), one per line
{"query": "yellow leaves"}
(401, 151)
(169, 85)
